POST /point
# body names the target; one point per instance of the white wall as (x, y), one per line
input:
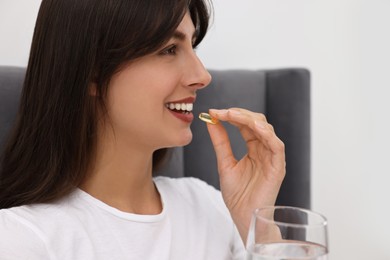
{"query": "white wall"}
(345, 44)
(17, 21)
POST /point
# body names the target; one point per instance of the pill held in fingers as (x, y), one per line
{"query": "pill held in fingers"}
(207, 118)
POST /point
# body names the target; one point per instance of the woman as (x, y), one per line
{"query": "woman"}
(109, 86)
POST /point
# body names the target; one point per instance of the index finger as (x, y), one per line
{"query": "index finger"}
(253, 126)
(238, 116)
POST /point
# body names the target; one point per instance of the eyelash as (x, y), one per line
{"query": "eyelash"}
(171, 50)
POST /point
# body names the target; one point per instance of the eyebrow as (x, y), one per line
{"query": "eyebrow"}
(182, 36)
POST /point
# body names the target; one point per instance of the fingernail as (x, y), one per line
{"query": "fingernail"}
(260, 125)
(218, 111)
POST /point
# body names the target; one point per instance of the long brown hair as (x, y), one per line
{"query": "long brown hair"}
(77, 42)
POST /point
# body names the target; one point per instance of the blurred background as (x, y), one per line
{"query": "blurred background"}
(345, 45)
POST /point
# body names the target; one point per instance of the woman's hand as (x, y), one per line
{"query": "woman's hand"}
(255, 180)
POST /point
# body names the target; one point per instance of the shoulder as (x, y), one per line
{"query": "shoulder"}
(19, 238)
(40, 214)
(27, 232)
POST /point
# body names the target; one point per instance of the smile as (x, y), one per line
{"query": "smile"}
(184, 108)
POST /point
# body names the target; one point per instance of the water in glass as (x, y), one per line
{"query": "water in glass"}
(287, 251)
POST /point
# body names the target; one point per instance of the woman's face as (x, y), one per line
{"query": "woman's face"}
(150, 101)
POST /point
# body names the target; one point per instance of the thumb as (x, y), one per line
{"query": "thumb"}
(222, 147)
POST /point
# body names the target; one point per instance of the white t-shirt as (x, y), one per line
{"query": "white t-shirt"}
(194, 224)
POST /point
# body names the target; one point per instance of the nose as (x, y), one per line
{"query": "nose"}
(196, 74)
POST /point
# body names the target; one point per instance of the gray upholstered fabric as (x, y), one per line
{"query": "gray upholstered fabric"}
(288, 110)
(283, 95)
(11, 81)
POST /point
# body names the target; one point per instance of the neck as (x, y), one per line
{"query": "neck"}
(122, 178)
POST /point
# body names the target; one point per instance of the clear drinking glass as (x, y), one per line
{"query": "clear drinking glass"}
(287, 233)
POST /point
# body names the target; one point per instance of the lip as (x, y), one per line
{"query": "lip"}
(184, 100)
(187, 118)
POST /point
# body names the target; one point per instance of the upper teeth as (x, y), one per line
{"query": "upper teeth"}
(183, 106)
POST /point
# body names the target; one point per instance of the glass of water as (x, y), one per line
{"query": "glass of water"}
(287, 233)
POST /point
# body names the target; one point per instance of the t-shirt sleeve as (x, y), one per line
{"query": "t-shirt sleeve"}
(18, 240)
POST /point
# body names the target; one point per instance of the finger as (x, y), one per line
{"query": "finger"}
(273, 144)
(229, 114)
(271, 141)
(222, 147)
(254, 127)
(244, 120)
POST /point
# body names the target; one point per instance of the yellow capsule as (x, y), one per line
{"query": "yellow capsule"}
(207, 118)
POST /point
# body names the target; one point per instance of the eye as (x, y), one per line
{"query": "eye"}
(170, 50)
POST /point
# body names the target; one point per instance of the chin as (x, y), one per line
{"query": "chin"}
(181, 140)
(185, 140)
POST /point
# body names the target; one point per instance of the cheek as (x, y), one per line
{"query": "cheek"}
(126, 109)
(136, 108)
(133, 111)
